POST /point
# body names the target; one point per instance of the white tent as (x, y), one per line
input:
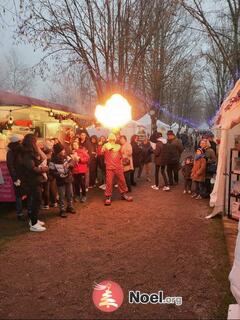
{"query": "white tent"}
(162, 127)
(227, 123)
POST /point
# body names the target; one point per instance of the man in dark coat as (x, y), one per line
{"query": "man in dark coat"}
(136, 155)
(161, 160)
(175, 149)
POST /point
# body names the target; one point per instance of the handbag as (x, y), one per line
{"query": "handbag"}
(126, 162)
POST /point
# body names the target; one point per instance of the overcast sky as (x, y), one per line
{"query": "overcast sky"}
(27, 55)
(7, 42)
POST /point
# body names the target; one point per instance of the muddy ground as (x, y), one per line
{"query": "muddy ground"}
(161, 241)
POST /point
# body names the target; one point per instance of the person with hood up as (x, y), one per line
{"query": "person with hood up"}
(161, 160)
(114, 167)
(15, 168)
(61, 167)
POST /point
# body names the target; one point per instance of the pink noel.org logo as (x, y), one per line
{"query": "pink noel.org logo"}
(107, 296)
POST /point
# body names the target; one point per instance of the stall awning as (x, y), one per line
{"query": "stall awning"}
(9, 99)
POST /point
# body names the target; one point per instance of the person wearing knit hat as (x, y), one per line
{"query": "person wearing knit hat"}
(199, 173)
(114, 167)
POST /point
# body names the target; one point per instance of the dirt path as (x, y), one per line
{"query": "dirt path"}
(161, 241)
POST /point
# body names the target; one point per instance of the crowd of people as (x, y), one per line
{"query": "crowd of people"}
(58, 175)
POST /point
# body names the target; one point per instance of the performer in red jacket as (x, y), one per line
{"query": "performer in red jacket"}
(81, 160)
(114, 167)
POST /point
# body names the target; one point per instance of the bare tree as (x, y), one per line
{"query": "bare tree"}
(108, 37)
(15, 75)
(220, 26)
(73, 87)
(220, 31)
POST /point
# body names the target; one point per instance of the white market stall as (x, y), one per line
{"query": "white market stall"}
(161, 126)
(227, 128)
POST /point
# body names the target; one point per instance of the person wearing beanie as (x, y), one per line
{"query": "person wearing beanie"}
(15, 168)
(61, 167)
(114, 167)
(199, 173)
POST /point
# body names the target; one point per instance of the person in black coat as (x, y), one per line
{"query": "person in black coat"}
(161, 155)
(146, 159)
(93, 161)
(15, 168)
(175, 149)
(136, 155)
(34, 175)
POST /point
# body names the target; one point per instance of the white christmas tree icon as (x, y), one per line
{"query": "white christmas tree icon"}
(107, 300)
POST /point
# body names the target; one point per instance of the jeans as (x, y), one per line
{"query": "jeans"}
(132, 174)
(127, 175)
(65, 190)
(208, 188)
(80, 183)
(144, 167)
(46, 192)
(102, 169)
(35, 196)
(157, 168)
(199, 188)
(92, 172)
(172, 171)
(19, 205)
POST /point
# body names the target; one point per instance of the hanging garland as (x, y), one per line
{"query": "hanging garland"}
(81, 123)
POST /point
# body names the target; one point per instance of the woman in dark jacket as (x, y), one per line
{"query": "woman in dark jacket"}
(136, 155)
(161, 154)
(93, 161)
(34, 176)
(15, 168)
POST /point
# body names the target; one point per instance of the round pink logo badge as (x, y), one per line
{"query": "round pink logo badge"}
(107, 296)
